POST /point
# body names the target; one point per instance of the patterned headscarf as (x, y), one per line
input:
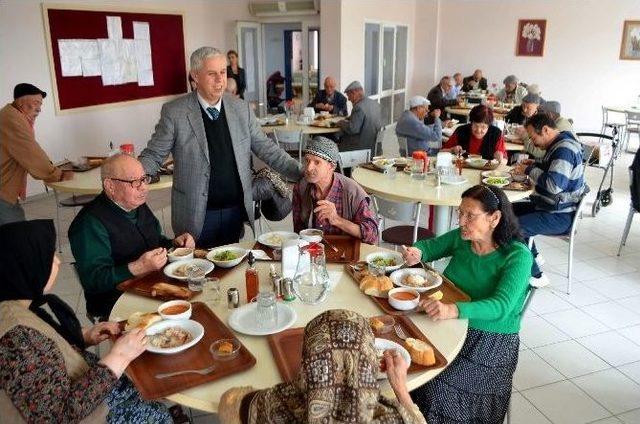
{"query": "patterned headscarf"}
(337, 381)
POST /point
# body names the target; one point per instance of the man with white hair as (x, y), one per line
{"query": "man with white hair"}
(438, 95)
(330, 99)
(211, 135)
(420, 136)
(512, 92)
(359, 131)
(232, 86)
(456, 90)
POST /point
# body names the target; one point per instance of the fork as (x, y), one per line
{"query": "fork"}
(335, 249)
(201, 371)
(400, 332)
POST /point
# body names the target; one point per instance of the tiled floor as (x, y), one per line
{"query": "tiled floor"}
(580, 353)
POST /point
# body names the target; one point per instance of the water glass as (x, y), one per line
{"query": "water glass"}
(195, 278)
(417, 169)
(266, 311)
(213, 284)
(391, 173)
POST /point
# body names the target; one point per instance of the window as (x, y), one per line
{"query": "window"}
(385, 68)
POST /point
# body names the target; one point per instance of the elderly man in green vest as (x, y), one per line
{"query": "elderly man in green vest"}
(116, 236)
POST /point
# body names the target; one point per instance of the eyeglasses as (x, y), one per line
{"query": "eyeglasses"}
(135, 183)
(469, 217)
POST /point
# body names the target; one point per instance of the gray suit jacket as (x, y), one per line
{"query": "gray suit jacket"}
(360, 131)
(180, 131)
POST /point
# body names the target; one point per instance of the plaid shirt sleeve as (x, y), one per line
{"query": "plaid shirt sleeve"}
(366, 219)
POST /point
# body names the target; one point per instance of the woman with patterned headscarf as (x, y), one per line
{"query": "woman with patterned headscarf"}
(336, 383)
(46, 375)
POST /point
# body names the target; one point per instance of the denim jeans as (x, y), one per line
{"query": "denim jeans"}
(536, 222)
(10, 212)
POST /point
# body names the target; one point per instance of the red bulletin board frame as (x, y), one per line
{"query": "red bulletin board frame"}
(84, 93)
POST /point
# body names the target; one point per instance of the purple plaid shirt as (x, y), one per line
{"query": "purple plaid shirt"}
(363, 216)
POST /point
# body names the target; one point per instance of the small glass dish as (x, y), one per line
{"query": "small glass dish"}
(218, 351)
(382, 325)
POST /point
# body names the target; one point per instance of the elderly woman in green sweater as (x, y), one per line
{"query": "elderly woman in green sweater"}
(492, 265)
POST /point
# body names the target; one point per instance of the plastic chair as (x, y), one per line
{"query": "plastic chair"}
(613, 116)
(289, 140)
(352, 158)
(382, 133)
(634, 175)
(403, 147)
(632, 126)
(570, 237)
(404, 212)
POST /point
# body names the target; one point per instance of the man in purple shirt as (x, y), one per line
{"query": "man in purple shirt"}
(328, 200)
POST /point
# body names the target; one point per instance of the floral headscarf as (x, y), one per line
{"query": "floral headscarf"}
(337, 381)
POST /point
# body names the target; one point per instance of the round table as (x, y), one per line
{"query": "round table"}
(89, 182)
(294, 126)
(406, 189)
(465, 111)
(448, 336)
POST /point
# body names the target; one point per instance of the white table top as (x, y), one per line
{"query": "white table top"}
(306, 129)
(88, 182)
(448, 336)
(624, 109)
(406, 189)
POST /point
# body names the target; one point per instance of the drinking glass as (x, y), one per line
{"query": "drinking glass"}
(266, 311)
(213, 283)
(417, 169)
(195, 278)
(391, 173)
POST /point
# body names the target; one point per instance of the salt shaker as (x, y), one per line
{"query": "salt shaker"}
(233, 298)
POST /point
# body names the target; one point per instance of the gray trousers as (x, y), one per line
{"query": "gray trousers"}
(10, 212)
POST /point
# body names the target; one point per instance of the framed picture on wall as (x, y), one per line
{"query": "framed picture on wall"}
(530, 37)
(630, 46)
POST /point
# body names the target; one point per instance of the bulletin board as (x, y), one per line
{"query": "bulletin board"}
(108, 56)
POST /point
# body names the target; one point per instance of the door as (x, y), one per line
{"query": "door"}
(249, 39)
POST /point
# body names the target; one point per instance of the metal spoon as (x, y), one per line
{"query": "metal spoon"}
(201, 371)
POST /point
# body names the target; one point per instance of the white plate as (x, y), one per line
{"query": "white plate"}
(387, 255)
(433, 279)
(239, 251)
(204, 264)
(454, 179)
(193, 327)
(495, 173)
(479, 163)
(384, 163)
(243, 319)
(385, 344)
(264, 238)
(486, 181)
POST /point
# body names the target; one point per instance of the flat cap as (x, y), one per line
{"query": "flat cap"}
(324, 148)
(355, 85)
(551, 106)
(416, 101)
(25, 89)
(510, 79)
(531, 98)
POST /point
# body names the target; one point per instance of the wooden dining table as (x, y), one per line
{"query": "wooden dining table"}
(406, 189)
(447, 336)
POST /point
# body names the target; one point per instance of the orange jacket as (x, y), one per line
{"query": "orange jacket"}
(20, 154)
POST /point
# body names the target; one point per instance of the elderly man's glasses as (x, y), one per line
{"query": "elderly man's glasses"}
(467, 216)
(135, 183)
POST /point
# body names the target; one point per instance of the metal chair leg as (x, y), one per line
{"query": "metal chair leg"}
(627, 228)
(58, 228)
(570, 266)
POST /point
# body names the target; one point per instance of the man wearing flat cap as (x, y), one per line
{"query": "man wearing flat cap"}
(359, 131)
(420, 136)
(20, 153)
(551, 108)
(512, 91)
(328, 200)
(527, 109)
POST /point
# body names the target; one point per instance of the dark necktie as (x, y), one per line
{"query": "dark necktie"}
(213, 112)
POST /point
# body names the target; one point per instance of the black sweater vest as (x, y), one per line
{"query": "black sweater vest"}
(225, 188)
(488, 142)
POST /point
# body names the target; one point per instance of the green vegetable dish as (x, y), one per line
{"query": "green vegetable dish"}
(380, 261)
(497, 180)
(225, 255)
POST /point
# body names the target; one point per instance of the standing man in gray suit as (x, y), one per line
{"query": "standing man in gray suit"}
(359, 131)
(211, 135)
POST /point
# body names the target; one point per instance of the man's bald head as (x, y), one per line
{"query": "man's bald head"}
(120, 166)
(124, 181)
(330, 85)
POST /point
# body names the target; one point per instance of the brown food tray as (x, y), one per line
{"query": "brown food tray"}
(371, 167)
(484, 168)
(346, 244)
(143, 369)
(286, 348)
(450, 293)
(142, 285)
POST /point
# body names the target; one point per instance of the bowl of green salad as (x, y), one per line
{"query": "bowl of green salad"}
(227, 257)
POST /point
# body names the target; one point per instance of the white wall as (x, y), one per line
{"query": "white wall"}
(580, 67)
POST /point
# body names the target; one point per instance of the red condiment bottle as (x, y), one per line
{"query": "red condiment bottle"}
(421, 154)
(251, 278)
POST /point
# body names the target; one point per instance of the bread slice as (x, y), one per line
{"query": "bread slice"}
(169, 290)
(140, 320)
(376, 286)
(421, 352)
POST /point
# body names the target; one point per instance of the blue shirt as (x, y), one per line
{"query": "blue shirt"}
(454, 92)
(419, 136)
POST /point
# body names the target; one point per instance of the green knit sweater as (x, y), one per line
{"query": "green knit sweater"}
(497, 283)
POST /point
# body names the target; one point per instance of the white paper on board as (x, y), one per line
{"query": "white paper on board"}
(90, 67)
(141, 31)
(69, 58)
(114, 27)
(145, 77)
